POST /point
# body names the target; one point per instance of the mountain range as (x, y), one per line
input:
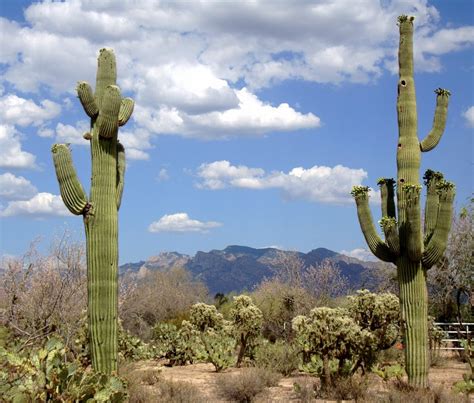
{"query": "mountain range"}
(237, 268)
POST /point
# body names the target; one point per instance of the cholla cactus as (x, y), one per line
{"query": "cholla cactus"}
(404, 243)
(220, 347)
(331, 334)
(246, 321)
(214, 334)
(203, 316)
(380, 315)
(107, 110)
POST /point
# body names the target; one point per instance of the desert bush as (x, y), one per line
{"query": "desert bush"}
(177, 392)
(401, 392)
(139, 382)
(45, 374)
(44, 294)
(280, 357)
(343, 388)
(305, 389)
(280, 303)
(245, 385)
(156, 297)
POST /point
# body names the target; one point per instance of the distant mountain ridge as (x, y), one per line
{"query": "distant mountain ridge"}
(237, 268)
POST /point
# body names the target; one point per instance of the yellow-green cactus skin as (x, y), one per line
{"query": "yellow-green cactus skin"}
(412, 251)
(107, 111)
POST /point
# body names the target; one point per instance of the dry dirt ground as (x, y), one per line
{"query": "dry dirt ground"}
(206, 380)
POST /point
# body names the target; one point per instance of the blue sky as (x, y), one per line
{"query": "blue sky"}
(253, 120)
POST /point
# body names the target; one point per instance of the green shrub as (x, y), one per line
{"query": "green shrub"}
(279, 356)
(44, 374)
(219, 348)
(179, 346)
(245, 385)
(132, 348)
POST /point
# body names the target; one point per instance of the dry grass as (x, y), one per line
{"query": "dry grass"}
(247, 384)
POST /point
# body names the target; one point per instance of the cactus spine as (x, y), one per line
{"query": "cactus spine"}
(404, 243)
(107, 111)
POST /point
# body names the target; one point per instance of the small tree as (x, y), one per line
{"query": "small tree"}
(246, 321)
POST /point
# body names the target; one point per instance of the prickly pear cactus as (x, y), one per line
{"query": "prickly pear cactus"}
(411, 251)
(107, 111)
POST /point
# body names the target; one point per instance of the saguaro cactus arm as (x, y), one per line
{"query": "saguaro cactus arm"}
(71, 189)
(109, 111)
(437, 244)
(431, 180)
(439, 121)
(120, 172)
(85, 95)
(376, 245)
(390, 229)
(413, 223)
(387, 195)
(126, 109)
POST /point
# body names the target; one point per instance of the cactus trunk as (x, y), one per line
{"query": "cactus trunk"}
(102, 256)
(107, 111)
(404, 243)
(414, 309)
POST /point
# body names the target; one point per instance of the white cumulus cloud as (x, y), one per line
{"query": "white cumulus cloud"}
(72, 134)
(181, 222)
(40, 205)
(469, 116)
(24, 112)
(317, 184)
(252, 117)
(11, 154)
(15, 187)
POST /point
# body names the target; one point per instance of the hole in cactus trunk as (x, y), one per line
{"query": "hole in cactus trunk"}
(399, 145)
(403, 83)
(402, 180)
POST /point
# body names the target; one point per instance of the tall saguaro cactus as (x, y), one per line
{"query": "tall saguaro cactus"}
(107, 111)
(404, 243)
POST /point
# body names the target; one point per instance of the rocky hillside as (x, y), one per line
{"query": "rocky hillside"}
(238, 268)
